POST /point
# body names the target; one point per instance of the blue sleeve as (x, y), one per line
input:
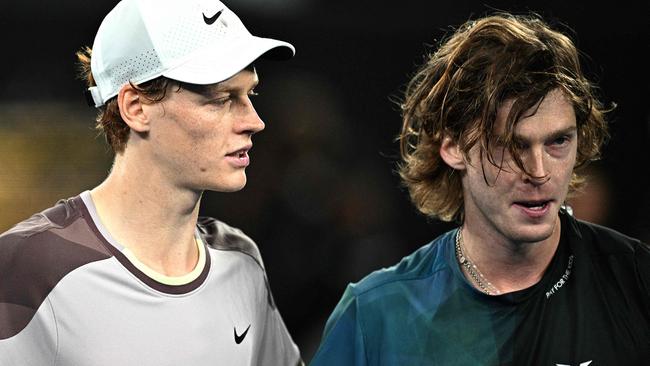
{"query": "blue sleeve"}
(343, 338)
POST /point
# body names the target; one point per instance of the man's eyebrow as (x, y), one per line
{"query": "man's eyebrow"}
(552, 136)
(226, 86)
(211, 89)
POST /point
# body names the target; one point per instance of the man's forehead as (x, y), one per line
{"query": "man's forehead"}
(242, 81)
(553, 112)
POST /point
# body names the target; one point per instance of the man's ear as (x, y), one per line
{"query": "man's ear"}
(130, 103)
(452, 155)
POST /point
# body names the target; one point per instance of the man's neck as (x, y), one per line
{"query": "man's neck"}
(509, 266)
(151, 217)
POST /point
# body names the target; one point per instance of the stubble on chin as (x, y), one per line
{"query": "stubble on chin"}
(537, 234)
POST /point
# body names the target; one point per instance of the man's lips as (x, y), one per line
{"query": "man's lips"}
(239, 158)
(240, 152)
(534, 208)
(533, 204)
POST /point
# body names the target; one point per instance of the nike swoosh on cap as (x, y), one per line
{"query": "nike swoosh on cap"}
(212, 19)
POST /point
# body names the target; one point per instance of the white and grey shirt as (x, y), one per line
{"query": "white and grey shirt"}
(70, 295)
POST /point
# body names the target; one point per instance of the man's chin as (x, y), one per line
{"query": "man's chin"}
(535, 234)
(227, 187)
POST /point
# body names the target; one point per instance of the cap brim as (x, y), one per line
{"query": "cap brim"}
(216, 64)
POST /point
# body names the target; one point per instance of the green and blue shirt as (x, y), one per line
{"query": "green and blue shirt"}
(592, 307)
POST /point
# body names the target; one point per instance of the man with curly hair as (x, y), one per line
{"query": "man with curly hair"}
(127, 273)
(496, 125)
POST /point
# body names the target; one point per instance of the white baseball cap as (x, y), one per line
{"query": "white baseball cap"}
(193, 41)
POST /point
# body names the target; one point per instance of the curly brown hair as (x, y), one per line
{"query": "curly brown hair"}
(109, 121)
(456, 93)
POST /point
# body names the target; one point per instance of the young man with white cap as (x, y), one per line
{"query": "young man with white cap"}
(128, 273)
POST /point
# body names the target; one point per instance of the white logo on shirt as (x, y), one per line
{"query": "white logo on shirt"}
(561, 282)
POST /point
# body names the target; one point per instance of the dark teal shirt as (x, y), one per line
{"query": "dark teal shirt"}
(590, 308)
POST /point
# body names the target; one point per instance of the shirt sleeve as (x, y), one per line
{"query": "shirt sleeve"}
(642, 259)
(277, 346)
(34, 345)
(28, 334)
(343, 338)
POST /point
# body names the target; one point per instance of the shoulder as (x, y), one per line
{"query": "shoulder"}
(381, 300)
(53, 234)
(221, 236)
(624, 260)
(612, 249)
(36, 254)
(58, 216)
(601, 240)
(421, 264)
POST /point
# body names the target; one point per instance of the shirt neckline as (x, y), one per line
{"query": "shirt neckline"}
(561, 261)
(175, 285)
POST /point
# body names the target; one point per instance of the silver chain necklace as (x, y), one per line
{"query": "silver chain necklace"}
(473, 271)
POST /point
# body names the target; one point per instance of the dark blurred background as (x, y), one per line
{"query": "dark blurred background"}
(322, 202)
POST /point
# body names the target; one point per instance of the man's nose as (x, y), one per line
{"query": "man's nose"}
(535, 165)
(249, 121)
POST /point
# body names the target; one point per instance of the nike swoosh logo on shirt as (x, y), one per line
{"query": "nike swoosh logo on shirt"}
(240, 338)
